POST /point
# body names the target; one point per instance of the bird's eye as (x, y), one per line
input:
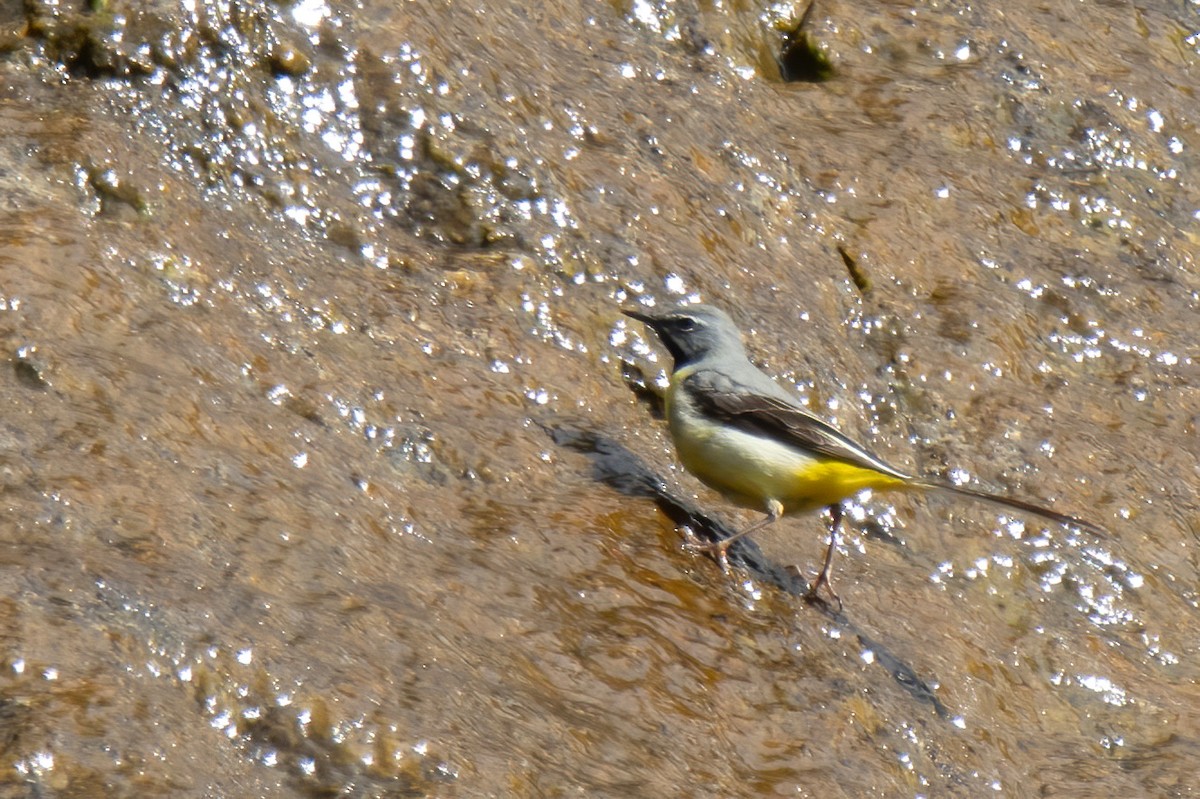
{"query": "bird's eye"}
(686, 324)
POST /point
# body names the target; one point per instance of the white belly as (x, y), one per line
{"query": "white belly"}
(748, 469)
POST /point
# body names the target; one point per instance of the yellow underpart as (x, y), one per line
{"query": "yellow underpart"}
(753, 470)
(826, 482)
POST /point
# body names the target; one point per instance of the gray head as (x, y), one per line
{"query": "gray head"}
(693, 332)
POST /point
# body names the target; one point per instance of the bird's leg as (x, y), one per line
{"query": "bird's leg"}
(812, 595)
(721, 548)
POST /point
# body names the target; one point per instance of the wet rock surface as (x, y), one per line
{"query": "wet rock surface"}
(322, 470)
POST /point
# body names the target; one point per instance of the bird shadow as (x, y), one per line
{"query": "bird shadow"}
(619, 468)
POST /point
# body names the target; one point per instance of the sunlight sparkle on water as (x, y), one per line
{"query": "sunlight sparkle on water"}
(309, 13)
(1109, 692)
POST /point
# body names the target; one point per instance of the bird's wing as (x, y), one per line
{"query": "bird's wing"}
(760, 411)
(758, 405)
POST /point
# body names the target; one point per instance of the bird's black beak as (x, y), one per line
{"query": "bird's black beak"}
(641, 316)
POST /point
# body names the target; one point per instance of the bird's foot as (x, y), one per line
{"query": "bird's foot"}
(718, 549)
(813, 594)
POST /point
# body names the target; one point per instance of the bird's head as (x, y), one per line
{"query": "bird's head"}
(693, 332)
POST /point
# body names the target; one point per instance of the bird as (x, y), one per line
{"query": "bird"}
(744, 435)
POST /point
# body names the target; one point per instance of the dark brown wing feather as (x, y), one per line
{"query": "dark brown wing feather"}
(778, 419)
(753, 411)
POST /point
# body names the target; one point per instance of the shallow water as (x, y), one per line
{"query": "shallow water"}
(324, 475)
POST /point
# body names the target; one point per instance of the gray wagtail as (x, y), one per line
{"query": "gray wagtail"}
(742, 434)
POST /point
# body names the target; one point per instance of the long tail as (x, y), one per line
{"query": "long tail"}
(1018, 504)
